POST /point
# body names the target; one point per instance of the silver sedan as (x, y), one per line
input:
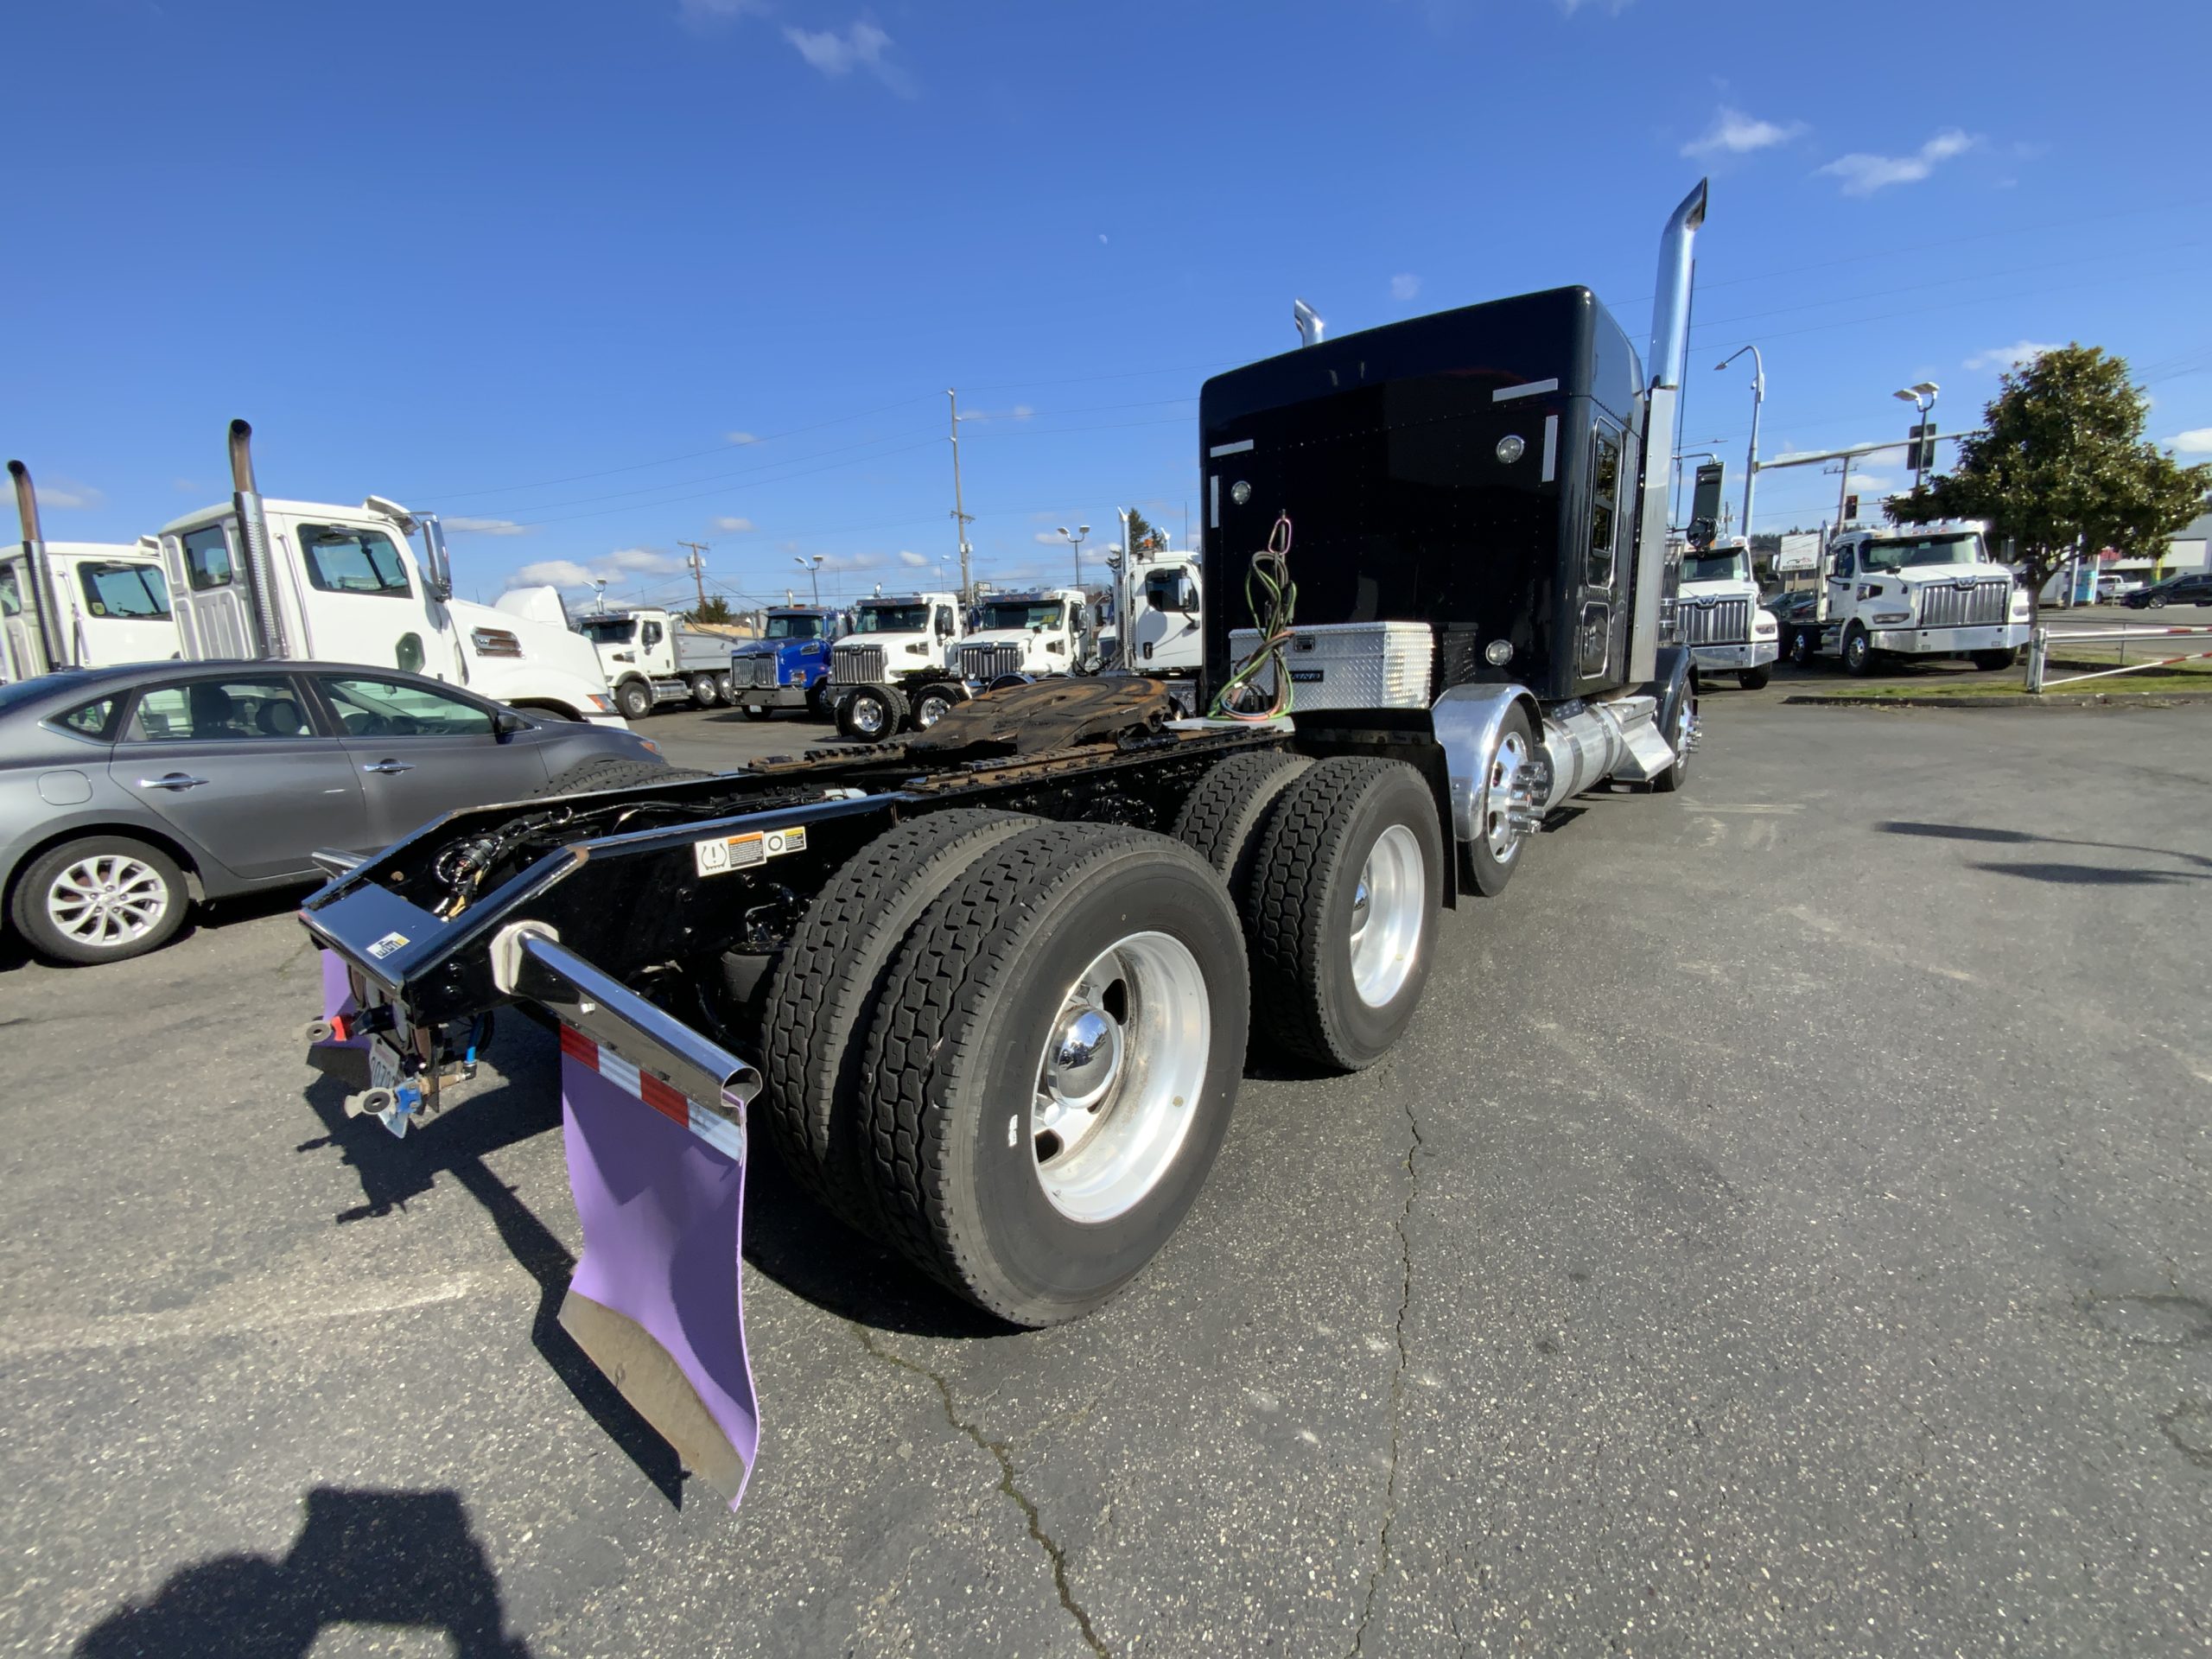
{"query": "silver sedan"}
(118, 786)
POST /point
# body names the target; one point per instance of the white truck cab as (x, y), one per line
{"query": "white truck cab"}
(313, 581)
(1920, 590)
(896, 668)
(1030, 636)
(651, 657)
(112, 603)
(1718, 615)
(1165, 620)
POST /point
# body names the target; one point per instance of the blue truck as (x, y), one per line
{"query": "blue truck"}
(788, 667)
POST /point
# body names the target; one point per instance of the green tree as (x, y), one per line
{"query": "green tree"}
(2061, 465)
(1144, 537)
(715, 610)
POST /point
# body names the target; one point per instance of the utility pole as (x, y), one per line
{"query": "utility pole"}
(961, 519)
(698, 569)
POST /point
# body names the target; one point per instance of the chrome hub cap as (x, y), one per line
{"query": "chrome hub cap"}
(111, 898)
(1504, 784)
(867, 717)
(1387, 910)
(1119, 1077)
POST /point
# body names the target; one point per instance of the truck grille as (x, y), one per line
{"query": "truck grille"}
(988, 662)
(1724, 622)
(756, 670)
(1976, 603)
(856, 665)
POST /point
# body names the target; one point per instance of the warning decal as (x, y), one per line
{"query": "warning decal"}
(725, 854)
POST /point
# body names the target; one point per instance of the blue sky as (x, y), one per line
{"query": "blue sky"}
(594, 278)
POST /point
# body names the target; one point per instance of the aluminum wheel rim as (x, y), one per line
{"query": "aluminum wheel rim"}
(1386, 909)
(867, 717)
(109, 899)
(1118, 1080)
(1506, 768)
(930, 709)
(1685, 732)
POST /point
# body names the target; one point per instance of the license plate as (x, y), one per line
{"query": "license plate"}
(384, 1071)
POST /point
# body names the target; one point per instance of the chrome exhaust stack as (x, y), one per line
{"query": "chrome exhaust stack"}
(46, 604)
(253, 539)
(1670, 338)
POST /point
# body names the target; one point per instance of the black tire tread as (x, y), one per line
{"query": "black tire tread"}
(608, 772)
(951, 968)
(833, 971)
(1225, 815)
(895, 712)
(1303, 835)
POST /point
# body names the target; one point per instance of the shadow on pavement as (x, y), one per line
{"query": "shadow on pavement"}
(2023, 838)
(403, 1560)
(2093, 875)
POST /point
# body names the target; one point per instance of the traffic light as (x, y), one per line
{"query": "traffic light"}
(1850, 508)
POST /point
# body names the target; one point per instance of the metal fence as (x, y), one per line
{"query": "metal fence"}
(2039, 679)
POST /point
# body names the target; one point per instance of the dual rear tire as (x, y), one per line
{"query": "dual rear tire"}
(1009, 1047)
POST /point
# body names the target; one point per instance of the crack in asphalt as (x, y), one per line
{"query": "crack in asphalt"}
(1053, 1552)
(1397, 1383)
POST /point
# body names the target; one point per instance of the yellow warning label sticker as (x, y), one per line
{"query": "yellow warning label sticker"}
(728, 853)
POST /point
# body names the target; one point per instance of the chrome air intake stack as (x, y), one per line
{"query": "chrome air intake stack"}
(45, 605)
(1670, 338)
(253, 540)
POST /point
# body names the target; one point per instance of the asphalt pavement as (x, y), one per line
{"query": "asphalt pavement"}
(1785, 1228)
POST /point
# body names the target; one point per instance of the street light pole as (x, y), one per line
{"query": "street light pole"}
(1076, 542)
(813, 569)
(1751, 460)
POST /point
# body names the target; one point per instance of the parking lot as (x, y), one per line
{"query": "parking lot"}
(1785, 1230)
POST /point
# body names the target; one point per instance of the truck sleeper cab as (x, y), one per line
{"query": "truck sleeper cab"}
(990, 986)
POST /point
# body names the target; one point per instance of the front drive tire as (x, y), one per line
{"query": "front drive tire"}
(835, 968)
(1054, 1069)
(1857, 652)
(870, 713)
(705, 691)
(1493, 855)
(1346, 895)
(931, 703)
(1754, 679)
(100, 898)
(634, 698)
(1679, 740)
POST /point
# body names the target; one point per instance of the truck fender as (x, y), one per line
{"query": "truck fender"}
(1676, 678)
(1466, 720)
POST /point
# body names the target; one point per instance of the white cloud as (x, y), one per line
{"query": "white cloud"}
(741, 437)
(2006, 357)
(860, 45)
(488, 526)
(1404, 286)
(1018, 412)
(1734, 133)
(1868, 484)
(1863, 174)
(189, 485)
(698, 12)
(67, 492)
(641, 560)
(851, 562)
(1049, 538)
(553, 573)
(730, 526)
(2197, 441)
(913, 560)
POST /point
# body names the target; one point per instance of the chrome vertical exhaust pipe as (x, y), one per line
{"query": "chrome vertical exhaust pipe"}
(1670, 342)
(253, 537)
(46, 604)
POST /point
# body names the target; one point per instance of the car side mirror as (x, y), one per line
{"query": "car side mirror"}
(506, 723)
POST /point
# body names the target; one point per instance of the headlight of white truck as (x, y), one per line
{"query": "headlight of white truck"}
(2020, 601)
(1763, 623)
(1886, 617)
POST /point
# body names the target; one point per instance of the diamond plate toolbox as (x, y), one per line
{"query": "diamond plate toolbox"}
(1349, 664)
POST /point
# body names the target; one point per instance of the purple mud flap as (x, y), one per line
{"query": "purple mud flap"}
(657, 1302)
(338, 998)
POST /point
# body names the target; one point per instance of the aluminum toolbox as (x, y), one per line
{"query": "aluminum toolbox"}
(1349, 664)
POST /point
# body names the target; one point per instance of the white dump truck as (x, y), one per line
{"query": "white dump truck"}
(99, 604)
(652, 658)
(1914, 590)
(316, 582)
(1718, 615)
(895, 670)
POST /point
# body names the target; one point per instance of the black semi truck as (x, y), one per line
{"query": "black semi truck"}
(989, 989)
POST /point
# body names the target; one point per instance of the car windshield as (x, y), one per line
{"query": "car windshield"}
(1022, 613)
(1892, 553)
(1725, 564)
(795, 628)
(892, 619)
(608, 630)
